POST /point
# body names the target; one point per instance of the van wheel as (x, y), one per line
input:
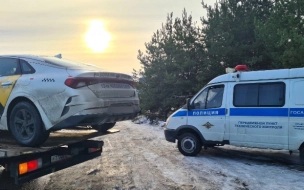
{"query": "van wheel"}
(189, 144)
(26, 125)
(302, 156)
(103, 127)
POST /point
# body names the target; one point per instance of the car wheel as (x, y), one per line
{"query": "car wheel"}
(302, 156)
(26, 125)
(103, 127)
(189, 144)
(44, 137)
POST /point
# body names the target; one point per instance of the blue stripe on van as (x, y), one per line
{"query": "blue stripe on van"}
(207, 112)
(296, 112)
(280, 112)
(201, 112)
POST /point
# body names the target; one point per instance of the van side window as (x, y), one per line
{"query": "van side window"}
(211, 97)
(259, 95)
(298, 92)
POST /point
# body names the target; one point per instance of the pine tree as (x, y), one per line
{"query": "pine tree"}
(283, 34)
(229, 33)
(170, 65)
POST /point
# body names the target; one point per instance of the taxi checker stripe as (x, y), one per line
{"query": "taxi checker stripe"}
(48, 80)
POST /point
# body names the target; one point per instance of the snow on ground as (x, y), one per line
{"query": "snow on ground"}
(139, 157)
(254, 168)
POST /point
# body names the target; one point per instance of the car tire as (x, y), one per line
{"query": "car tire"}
(26, 125)
(189, 144)
(44, 137)
(301, 156)
(103, 127)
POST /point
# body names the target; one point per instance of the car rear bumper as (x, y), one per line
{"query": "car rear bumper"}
(84, 108)
(93, 119)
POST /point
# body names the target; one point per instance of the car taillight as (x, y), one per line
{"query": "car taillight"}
(76, 82)
(30, 166)
(79, 82)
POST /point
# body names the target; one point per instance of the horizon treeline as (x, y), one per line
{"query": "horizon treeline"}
(184, 55)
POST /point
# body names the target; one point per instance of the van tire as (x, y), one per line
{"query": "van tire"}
(26, 125)
(189, 144)
(302, 156)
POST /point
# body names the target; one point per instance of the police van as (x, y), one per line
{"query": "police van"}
(262, 109)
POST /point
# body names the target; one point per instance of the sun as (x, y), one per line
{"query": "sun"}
(97, 38)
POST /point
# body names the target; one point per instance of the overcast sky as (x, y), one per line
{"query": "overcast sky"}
(51, 27)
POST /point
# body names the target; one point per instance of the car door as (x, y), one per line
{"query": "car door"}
(207, 112)
(9, 74)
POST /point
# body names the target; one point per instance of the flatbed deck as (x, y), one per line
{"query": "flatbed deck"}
(57, 138)
(63, 149)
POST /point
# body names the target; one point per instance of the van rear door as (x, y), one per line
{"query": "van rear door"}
(296, 122)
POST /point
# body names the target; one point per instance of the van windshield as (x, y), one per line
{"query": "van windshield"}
(209, 98)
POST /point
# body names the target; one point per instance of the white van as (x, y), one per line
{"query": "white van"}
(262, 109)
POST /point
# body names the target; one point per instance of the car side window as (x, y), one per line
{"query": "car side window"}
(9, 67)
(26, 67)
(211, 97)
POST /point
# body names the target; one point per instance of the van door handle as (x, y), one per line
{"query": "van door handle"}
(7, 83)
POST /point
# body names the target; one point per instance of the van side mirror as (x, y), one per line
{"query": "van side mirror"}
(188, 104)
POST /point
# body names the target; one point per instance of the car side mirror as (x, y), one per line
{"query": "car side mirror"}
(188, 104)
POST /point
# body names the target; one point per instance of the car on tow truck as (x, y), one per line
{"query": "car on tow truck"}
(40, 94)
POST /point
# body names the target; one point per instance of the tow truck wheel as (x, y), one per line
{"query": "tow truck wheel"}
(103, 127)
(26, 125)
(302, 156)
(189, 144)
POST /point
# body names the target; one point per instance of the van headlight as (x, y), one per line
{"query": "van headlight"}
(167, 121)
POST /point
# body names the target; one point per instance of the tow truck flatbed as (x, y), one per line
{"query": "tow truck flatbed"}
(63, 149)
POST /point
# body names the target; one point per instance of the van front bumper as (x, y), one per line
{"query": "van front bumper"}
(170, 135)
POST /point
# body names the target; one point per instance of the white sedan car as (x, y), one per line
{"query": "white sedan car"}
(40, 94)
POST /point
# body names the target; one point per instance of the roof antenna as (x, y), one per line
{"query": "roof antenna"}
(58, 56)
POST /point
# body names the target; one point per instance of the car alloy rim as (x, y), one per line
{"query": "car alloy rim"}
(24, 124)
(188, 144)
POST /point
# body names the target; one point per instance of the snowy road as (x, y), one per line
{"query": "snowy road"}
(139, 157)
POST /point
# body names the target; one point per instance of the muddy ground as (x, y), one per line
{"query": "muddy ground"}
(139, 157)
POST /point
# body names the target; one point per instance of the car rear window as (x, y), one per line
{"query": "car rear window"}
(65, 63)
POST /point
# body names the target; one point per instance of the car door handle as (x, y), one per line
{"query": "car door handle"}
(7, 83)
